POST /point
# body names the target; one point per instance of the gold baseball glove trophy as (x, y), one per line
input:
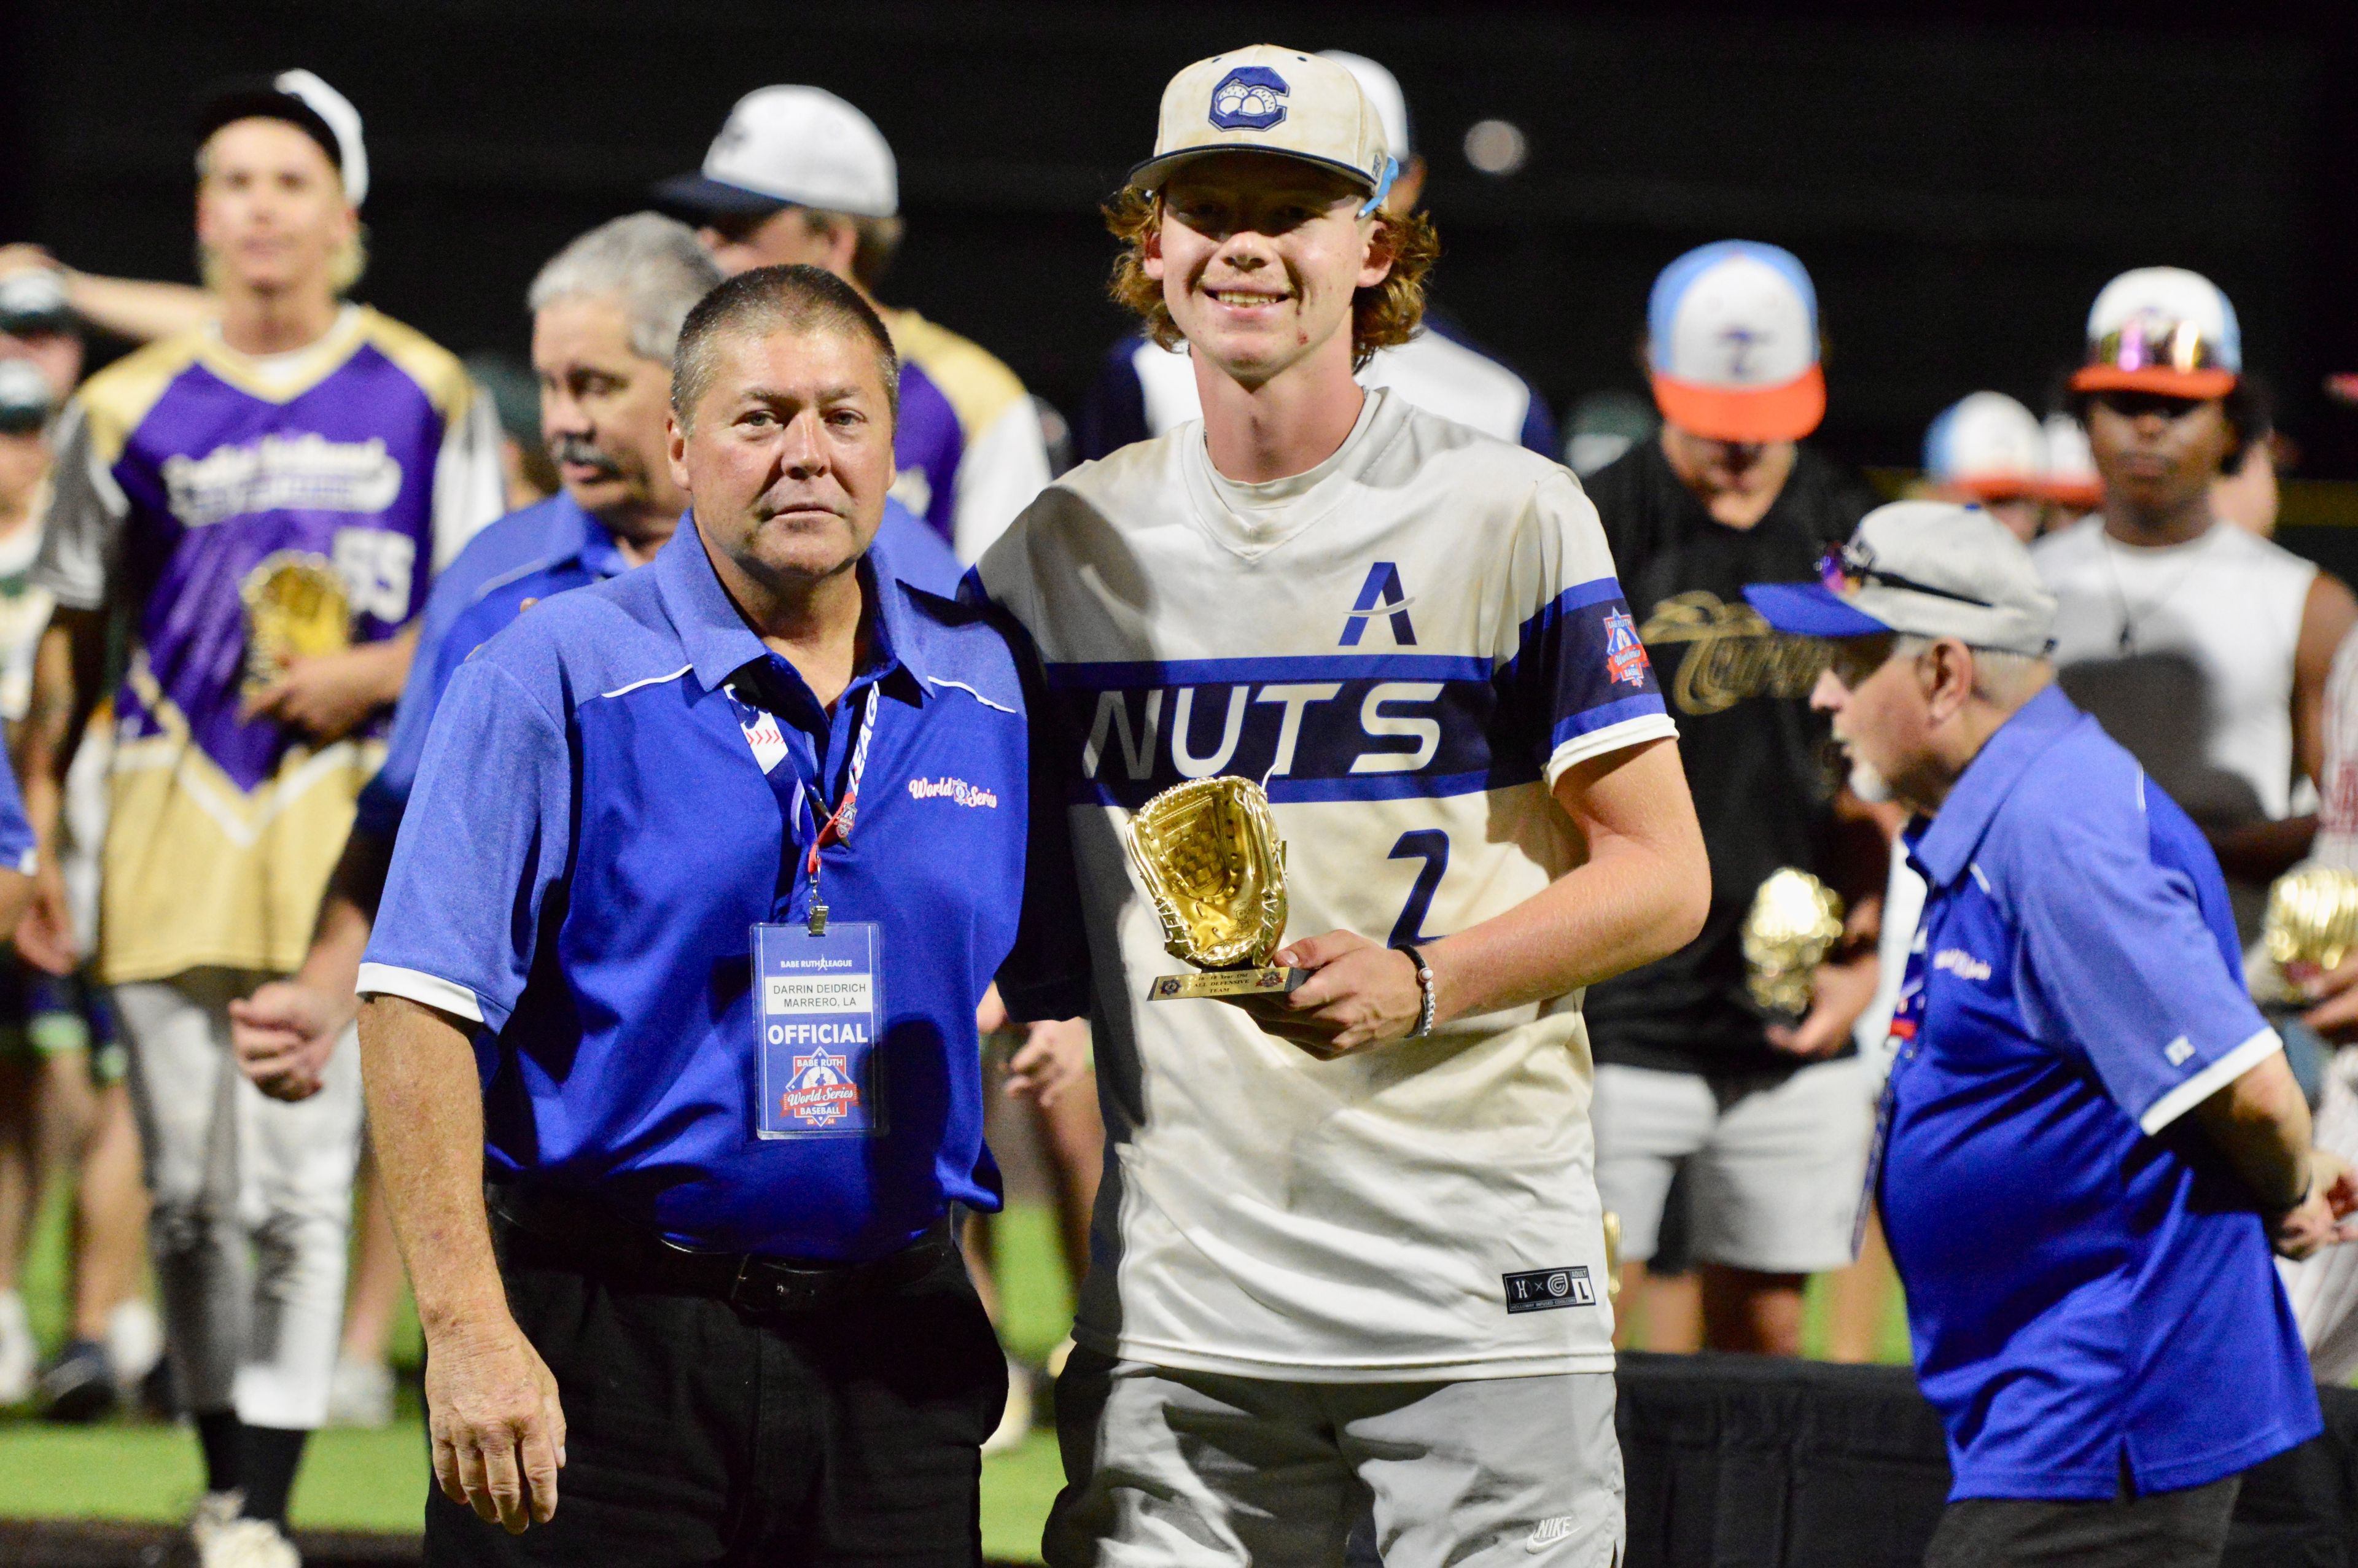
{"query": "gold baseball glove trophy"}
(2312, 921)
(1794, 922)
(1211, 859)
(294, 606)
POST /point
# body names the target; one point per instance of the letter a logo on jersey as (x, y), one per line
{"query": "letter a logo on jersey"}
(1624, 656)
(1380, 595)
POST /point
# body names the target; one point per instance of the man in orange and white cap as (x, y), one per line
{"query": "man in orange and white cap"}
(2203, 649)
(1988, 451)
(1766, 1112)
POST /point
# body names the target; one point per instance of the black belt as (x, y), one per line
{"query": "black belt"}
(574, 1233)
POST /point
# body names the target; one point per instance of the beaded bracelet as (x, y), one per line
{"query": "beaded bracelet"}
(1426, 1000)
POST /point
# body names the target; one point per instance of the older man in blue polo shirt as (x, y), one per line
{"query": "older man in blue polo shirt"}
(606, 311)
(704, 873)
(2089, 1140)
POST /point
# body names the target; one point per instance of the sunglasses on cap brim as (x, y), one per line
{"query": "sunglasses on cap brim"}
(1847, 568)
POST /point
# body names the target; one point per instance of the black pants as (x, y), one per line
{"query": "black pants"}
(699, 1434)
(2163, 1529)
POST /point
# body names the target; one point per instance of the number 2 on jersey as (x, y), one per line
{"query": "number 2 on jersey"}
(1430, 845)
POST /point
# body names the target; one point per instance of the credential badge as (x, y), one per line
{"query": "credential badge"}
(1249, 97)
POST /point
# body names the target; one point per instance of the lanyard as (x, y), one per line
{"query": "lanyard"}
(836, 829)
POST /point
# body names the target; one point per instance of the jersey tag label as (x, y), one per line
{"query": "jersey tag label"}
(1544, 1289)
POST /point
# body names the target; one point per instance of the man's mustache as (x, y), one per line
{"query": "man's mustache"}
(579, 452)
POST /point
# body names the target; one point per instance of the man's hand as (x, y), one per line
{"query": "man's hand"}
(990, 1014)
(22, 258)
(497, 1425)
(1054, 1058)
(327, 695)
(2335, 1016)
(45, 937)
(1358, 995)
(284, 1035)
(1839, 996)
(2320, 1219)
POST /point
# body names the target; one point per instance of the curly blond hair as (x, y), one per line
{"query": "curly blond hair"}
(1382, 317)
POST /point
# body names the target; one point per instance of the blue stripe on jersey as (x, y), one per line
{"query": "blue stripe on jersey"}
(1232, 672)
(1575, 725)
(1390, 726)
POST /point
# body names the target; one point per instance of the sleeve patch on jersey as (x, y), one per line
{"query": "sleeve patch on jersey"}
(1580, 669)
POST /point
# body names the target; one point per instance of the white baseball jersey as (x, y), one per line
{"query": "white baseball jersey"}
(2229, 601)
(1408, 644)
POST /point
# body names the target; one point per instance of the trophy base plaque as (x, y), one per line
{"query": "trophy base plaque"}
(1225, 982)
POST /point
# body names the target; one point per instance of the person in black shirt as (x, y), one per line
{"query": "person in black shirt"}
(1702, 1060)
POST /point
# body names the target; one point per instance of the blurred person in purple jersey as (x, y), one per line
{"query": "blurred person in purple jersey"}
(798, 176)
(263, 502)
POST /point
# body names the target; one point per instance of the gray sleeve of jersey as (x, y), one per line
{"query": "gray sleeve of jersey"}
(83, 533)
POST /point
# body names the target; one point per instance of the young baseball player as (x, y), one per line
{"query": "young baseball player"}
(247, 497)
(1348, 1242)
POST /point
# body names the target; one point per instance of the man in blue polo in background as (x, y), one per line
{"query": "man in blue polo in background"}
(606, 316)
(2090, 1139)
(705, 872)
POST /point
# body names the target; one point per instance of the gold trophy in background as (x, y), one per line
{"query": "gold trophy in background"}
(1794, 922)
(1209, 855)
(294, 606)
(2311, 923)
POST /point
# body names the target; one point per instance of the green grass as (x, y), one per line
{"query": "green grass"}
(377, 1480)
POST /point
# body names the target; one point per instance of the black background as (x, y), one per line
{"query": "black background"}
(1960, 182)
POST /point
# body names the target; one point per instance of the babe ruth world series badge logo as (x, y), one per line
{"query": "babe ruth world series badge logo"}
(1624, 656)
(1249, 97)
(821, 1092)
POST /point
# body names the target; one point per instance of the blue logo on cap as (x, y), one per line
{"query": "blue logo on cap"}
(1249, 97)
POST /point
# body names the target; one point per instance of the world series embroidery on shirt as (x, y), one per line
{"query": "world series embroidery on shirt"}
(957, 790)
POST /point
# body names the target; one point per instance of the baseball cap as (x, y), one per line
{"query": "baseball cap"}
(1988, 447)
(1930, 569)
(1731, 340)
(304, 102)
(1383, 90)
(24, 398)
(1267, 98)
(791, 147)
(2165, 329)
(34, 300)
(2070, 476)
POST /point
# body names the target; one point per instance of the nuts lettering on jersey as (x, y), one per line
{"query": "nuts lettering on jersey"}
(1320, 728)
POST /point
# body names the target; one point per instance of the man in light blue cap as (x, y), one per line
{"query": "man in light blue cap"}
(2089, 1141)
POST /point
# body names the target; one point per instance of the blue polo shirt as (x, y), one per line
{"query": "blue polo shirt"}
(530, 555)
(2090, 1289)
(594, 832)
